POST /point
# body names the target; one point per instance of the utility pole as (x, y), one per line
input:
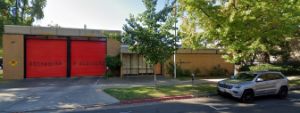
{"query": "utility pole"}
(174, 56)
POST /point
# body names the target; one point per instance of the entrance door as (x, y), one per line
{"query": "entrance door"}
(88, 58)
(45, 57)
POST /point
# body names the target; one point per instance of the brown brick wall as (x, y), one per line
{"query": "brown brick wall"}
(13, 57)
(203, 61)
(113, 47)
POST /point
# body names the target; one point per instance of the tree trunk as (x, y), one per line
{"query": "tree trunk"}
(266, 57)
(237, 68)
(253, 59)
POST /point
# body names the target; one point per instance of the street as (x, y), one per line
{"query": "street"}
(215, 104)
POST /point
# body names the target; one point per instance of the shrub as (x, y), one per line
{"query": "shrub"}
(186, 73)
(285, 69)
(179, 71)
(292, 70)
(218, 71)
(266, 67)
(108, 74)
(245, 68)
(114, 63)
(197, 72)
(293, 63)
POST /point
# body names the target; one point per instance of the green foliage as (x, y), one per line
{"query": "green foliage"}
(114, 64)
(285, 69)
(149, 33)
(1, 30)
(218, 71)
(179, 71)
(243, 28)
(293, 83)
(161, 91)
(197, 72)
(27, 11)
(1, 52)
(266, 67)
(184, 73)
(108, 74)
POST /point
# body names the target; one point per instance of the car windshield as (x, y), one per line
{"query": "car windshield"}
(244, 76)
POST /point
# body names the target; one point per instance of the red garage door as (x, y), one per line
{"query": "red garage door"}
(88, 58)
(45, 58)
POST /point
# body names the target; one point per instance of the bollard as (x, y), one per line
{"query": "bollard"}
(193, 78)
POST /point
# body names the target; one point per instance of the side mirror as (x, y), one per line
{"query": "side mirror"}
(259, 80)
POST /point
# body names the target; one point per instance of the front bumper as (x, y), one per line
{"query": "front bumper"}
(234, 92)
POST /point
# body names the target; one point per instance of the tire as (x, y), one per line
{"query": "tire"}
(220, 93)
(247, 97)
(283, 92)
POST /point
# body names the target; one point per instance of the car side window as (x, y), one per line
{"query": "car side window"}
(275, 76)
(265, 77)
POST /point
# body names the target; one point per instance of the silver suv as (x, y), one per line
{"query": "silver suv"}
(246, 85)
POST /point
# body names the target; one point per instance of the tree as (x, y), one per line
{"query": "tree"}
(2, 10)
(20, 12)
(243, 28)
(149, 34)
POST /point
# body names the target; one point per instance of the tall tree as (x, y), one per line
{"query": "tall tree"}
(20, 12)
(243, 28)
(3, 7)
(149, 33)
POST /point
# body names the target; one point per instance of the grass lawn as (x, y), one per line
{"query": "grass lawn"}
(160, 91)
(202, 77)
(1, 74)
(1, 52)
(294, 82)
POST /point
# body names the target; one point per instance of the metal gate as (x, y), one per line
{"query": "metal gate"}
(46, 57)
(50, 56)
(88, 58)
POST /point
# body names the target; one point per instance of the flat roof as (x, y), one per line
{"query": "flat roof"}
(57, 31)
(125, 50)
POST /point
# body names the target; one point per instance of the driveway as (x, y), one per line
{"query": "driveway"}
(74, 93)
(48, 94)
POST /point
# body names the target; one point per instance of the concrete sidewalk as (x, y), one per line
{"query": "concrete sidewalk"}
(146, 81)
(75, 93)
(48, 94)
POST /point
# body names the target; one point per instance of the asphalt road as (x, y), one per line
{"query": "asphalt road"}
(215, 104)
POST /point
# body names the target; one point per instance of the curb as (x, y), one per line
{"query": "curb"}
(294, 88)
(148, 100)
(136, 101)
(156, 99)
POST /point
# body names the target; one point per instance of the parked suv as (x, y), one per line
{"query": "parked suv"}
(246, 85)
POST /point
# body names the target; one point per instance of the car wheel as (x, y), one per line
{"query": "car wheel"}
(283, 93)
(247, 97)
(219, 92)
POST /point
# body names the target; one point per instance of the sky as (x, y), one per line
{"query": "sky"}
(95, 14)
